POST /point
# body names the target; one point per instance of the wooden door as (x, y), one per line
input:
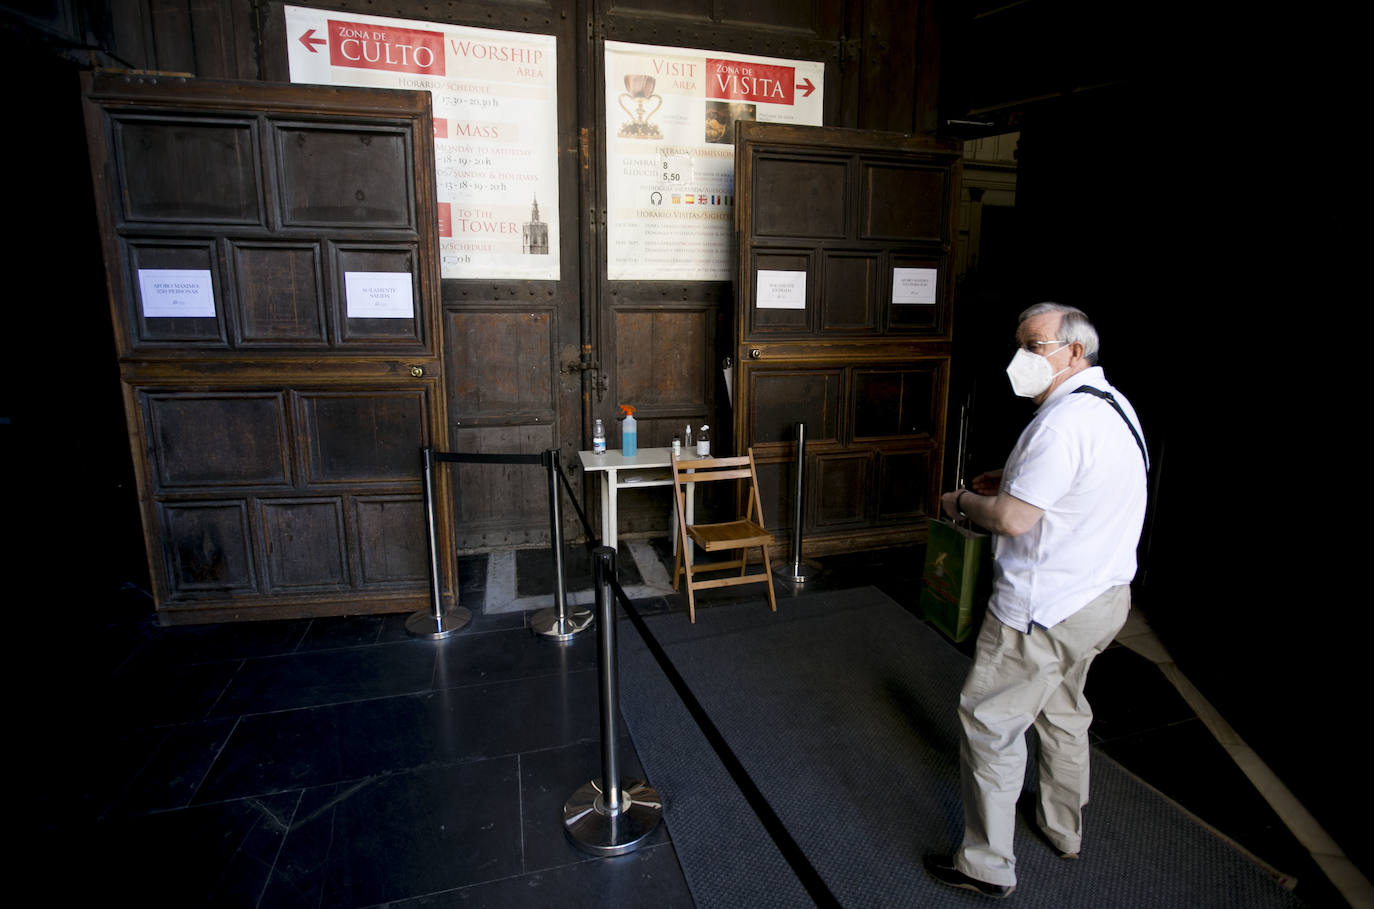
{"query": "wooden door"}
(271, 259)
(843, 323)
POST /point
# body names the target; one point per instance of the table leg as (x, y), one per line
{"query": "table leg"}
(609, 526)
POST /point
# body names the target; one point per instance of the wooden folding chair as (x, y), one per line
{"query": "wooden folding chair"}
(741, 535)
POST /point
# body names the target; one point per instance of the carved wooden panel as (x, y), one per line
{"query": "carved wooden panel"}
(152, 259)
(335, 176)
(304, 542)
(223, 439)
(500, 362)
(903, 485)
(279, 295)
(649, 357)
(392, 546)
(895, 403)
(777, 489)
(208, 548)
(800, 197)
(783, 320)
(909, 204)
(363, 436)
(922, 318)
(849, 292)
(840, 490)
(189, 171)
(367, 330)
(782, 398)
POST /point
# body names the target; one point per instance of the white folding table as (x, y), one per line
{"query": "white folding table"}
(645, 468)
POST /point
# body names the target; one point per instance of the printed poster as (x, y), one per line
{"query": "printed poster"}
(495, 103)
(670, 161)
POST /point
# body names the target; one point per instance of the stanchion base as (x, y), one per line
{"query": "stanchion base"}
(797, 572)
(590, 828)
(425, 624)
(545, 622)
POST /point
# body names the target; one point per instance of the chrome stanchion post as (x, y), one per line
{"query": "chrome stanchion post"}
(435, 623)
(798, 571)
(606, 817)
(556, 622)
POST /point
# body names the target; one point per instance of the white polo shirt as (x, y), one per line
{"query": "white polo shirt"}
(1078, 462)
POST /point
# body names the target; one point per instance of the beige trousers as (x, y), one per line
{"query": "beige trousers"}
(1017, 679)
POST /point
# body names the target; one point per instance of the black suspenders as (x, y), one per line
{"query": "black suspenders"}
(1107, 396)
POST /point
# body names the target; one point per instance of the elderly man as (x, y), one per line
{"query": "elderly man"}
(1066, 511)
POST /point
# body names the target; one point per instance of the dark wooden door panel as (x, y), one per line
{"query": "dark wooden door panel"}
(205, 440)
(864, 367)
(277, 419)
(187, 170)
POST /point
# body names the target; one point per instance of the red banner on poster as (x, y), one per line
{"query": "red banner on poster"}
(385, 47)
(737, 80)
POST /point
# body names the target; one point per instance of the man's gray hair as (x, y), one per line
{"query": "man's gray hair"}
(1074, 326)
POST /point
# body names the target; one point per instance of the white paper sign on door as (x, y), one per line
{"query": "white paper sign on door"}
(379, 295)
(781, 290)
(913, 286)
(176, 293)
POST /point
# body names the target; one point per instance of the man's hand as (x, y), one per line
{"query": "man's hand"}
(999, 512)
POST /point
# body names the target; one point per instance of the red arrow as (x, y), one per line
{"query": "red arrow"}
(310, 43)
(808, 85)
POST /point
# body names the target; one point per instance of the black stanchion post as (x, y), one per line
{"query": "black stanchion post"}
(605, 817)
(798, 571)
(437, 622)
(556, 622)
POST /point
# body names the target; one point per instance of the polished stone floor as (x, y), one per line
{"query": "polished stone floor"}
(342, 762)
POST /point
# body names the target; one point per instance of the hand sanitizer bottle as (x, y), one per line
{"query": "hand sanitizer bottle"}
(703, 443)
(629, 433)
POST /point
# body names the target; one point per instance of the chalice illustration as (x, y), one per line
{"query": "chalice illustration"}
(639, 89)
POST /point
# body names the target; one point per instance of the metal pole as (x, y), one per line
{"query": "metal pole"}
(798, 572)
(555, 622)
(435, 623)
(605, 817)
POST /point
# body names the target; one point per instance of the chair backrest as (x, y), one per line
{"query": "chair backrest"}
(707, 470)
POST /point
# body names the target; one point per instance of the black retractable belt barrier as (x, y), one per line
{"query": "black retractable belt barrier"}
(554, 622)
(606, 816)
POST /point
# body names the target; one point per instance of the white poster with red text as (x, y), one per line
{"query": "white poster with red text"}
(670, 161)
(495, 126)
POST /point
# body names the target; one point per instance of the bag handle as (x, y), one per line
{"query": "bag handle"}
(1107, 396)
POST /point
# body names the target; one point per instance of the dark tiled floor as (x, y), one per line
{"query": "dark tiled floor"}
(341, 762)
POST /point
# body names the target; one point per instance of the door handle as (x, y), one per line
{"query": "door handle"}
(417, 372)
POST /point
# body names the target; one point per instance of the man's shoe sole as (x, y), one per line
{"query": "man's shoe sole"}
(941, 867)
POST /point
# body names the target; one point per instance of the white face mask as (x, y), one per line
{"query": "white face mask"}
(1030, 373)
